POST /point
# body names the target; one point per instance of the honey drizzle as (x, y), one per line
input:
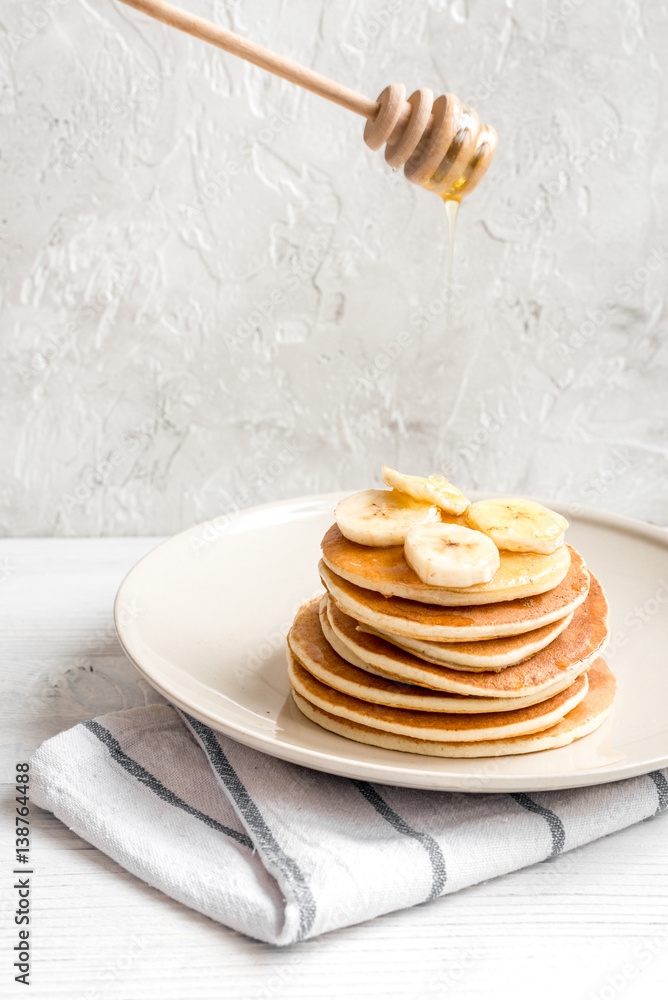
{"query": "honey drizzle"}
(451, 211)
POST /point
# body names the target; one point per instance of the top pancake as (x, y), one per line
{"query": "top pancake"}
(462, 624)
(385, 570)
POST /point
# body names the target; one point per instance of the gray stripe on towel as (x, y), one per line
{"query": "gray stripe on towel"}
(134, 768)
(256, 824)
(434, 853)
(556, 826)
(659, 779)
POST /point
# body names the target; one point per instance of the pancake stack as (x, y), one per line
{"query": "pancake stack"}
(508, 665)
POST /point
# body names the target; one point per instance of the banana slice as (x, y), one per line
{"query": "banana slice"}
(432, 489)
(381, 517)
(518, 525)
(450, 555)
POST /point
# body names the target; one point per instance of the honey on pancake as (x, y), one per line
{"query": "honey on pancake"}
(521, 575)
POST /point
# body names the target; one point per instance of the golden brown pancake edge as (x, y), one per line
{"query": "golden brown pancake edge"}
(426, 725)
(571, 653)
(385, 570)
(466, 623)
(584, 719)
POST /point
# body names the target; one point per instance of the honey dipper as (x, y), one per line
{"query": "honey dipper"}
(440, 143)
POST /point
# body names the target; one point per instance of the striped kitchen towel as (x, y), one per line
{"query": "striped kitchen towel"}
(283, 853)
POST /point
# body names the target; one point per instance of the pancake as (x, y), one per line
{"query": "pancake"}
(462, 624)
(442, 726)
(310, 647)
(566, 657)
(486, 654)
(583, 719)
(385, 570)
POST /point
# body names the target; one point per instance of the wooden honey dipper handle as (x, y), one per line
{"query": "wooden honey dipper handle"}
(256, 54)
(405, 125)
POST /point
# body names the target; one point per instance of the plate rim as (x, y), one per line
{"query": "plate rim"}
(381, 773)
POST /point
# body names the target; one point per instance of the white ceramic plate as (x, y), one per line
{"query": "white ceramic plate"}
(204, 618)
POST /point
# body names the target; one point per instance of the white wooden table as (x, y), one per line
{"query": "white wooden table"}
(591, 924)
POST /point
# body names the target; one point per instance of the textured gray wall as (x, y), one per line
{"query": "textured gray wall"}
(213, 294)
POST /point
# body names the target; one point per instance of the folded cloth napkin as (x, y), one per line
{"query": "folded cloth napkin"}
(283, 853)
